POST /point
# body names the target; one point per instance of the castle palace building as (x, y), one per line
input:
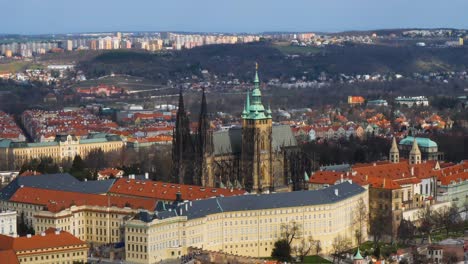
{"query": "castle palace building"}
(258, 156)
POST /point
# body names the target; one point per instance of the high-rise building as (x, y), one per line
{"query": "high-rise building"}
(69, 45)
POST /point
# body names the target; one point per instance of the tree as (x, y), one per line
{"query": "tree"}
(406, 231)
(281, 250)
(290, 231)
(448, 218)
(340, 246)
(78, 169)
(318, 247)
(361, 216)
(427, 222)
(95, 160)
(379, 226)
(304, 247)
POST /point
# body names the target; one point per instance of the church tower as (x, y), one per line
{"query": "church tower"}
(394, 156)
(256, 156)
(415, 153)
(204, 146)
(182, 147)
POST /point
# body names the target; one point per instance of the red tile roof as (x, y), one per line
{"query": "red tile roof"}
(326, 177)
(8, 256)
(454, 178)
(49, 240)
(393, 175)
(167, 191)
(56, 201)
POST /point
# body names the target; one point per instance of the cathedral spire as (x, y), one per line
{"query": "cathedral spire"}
(394, 152)
(256, 80)
(254, 108)
(182, 147)
(181, 102)
(415, 153)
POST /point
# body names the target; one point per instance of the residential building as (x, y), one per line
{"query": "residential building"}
(57, 182)
(356, 100)
(246, 225)
(94, 218)
(398, 188)
(447, 251)
(64, 147)
(378, 102)
(452, 185)
(109, 173)
(50, 246)
(8, 223)
(412, 101)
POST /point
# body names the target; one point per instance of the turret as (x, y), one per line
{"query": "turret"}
(357, 258)
(415, 153)
(394, 155)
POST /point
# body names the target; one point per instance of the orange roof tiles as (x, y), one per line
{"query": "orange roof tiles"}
(326, 177)
(49, 240)
(167, 191)
(394, 175)
(109, 172)
(8, 256)
(56, 201)
(454, 178)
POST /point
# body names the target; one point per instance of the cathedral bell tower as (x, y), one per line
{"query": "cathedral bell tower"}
(394, 155)
(256, 156)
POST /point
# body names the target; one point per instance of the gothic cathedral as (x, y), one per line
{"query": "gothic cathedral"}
(258, 156)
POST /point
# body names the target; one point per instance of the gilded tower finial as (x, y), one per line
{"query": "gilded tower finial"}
(256, 80)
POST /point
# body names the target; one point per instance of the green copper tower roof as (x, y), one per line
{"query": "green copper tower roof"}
(358, 256)
(254, 109)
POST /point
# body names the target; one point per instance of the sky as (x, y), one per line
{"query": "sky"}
(249, 16)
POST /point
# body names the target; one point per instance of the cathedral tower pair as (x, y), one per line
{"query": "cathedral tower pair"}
(414, 155)
(189, 151)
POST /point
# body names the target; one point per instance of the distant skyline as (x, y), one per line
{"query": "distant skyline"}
(230, 16)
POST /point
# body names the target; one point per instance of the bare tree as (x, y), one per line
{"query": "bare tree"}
(447, 218)
(291, 231)
(427, 222)
(318, 247)
(406, 231)
(340, 246)
(304, 247)
(361, 217)
(379, 226)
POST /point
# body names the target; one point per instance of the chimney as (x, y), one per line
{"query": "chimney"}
(412, 171)
(146, 175)
(42, 233)
(336, 192)
(57, 231)
(28, 235)
(178, 197)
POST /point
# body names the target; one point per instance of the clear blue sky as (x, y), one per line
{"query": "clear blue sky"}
(68, 16)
